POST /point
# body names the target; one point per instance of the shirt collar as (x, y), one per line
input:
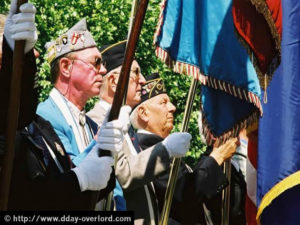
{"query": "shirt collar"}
(143, 131)
(74, 110)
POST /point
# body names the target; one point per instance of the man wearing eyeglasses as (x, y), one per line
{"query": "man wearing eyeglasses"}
(114, 55)
(76, 71)
(136, 169)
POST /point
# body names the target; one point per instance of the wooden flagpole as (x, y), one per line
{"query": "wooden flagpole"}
(12, 120)
(125, 71)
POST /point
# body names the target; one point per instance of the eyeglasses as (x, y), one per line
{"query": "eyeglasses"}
(96, 66)
(135, 74)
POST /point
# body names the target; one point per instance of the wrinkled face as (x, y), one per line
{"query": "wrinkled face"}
(87, 71)
(160, 113)
(134, 85)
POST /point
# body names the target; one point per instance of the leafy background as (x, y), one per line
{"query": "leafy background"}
(108, 21)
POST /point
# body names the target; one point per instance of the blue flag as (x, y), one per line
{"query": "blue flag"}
(197, 38)
(278, 172)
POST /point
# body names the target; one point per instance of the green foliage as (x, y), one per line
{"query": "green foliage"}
(109, 21)
(4, 6)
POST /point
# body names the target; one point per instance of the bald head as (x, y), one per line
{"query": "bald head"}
(155, 115)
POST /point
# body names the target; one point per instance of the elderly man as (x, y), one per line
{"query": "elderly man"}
(153, 118)
(135, 170)
(43, 177)
(76, 70)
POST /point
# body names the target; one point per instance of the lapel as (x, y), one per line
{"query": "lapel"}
(93, 127)
(148, 140)
(43, 133)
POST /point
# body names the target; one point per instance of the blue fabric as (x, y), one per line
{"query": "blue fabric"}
(51, 112)
(201, 33)
(279, 129)
(119, 197)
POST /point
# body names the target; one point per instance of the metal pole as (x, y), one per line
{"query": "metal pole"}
(176, 161)
(12, 120)
(226, 194)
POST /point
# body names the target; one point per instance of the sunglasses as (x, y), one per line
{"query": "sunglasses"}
(96, 66)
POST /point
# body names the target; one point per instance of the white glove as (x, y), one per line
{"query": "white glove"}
(21, 26)
(93, 172)
(111, 134)
(177, 144)
(110, 137)
(124, 117)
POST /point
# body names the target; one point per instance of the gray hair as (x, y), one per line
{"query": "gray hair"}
(134, 118)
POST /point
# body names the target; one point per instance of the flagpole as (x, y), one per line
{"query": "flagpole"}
(226, 194)
(176, 161)
(132, 16)
(125, 73)
(12, 120)
(134, 6)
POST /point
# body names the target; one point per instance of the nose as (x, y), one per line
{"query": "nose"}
(142, 79)
(171, 107)
(102, 70)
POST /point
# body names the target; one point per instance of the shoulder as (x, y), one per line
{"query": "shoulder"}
(46, 107)
(148, 140)
(97, 114)
(49, 111)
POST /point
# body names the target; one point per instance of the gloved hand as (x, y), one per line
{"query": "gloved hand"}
(111, 134)
(110, 137)
(124, 117)
(93, 172)
(177, 144)
(21, 26)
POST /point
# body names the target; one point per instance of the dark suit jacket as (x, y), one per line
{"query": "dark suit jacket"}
(237, 200)
(192, 188)
(37, 183)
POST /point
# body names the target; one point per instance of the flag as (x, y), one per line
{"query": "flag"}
(258, 24)
(278, 166)
(251, 175)
(197, 38)
(259, 27)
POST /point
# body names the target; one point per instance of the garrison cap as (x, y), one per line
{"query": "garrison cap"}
(113, 55)
(154, 86)
(75, 39)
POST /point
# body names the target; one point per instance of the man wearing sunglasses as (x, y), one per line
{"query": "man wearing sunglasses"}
(76, 71)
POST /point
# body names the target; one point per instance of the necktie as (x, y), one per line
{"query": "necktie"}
(82, 121)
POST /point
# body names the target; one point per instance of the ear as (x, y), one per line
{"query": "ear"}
(143, 114)
(65, 67)
(113, 81)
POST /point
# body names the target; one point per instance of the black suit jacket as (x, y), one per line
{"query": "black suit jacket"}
(192, 187)
(37, 183)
